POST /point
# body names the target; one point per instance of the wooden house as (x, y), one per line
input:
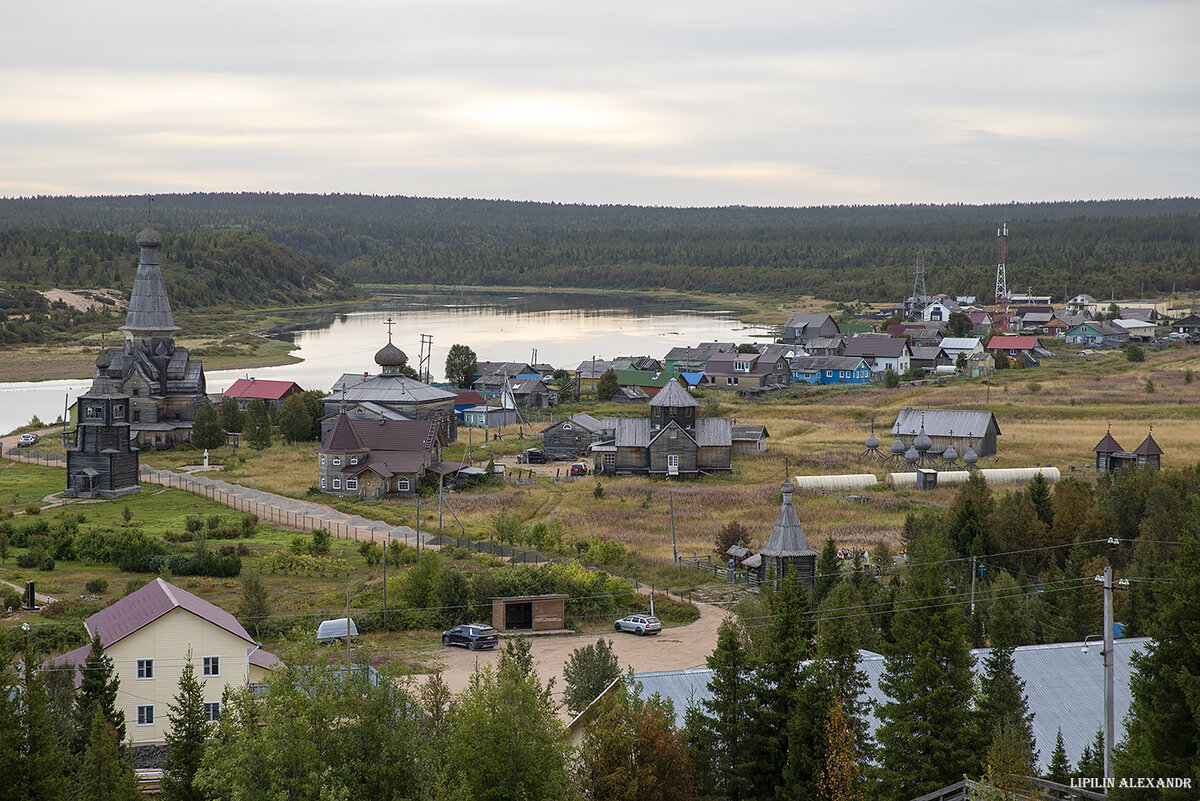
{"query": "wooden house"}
(371, 459)
(673, 442)
(1096, 334)
(749, 439)
(1110, 456)
(571, 436)
(748, 370)
(149, 635)
(831, 369)
(273, 393)
(881, 353)
(693, 358)
(1189, 325)
(800, 328)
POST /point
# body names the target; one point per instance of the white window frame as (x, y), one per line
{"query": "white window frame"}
(567, 427)
(93, 412)
(212, 711)
(403, 485)
(337, 461)
(353, 460)
(322, 460)
(337, 483)
(145, 669)
(672, 461)
(145, 715)
(352, 483)
(210, 666)
(322, 482)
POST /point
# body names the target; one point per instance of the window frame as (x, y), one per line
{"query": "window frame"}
(351, 483)
(145, 669)
(210, 666)
(212, 711)
(145, 714)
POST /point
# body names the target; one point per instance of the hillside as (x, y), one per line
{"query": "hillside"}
(1120, 247)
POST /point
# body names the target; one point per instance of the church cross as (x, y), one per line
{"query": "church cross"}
(389, 323)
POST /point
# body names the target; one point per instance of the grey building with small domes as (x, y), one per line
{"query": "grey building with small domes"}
(390, 395)
(165, 386)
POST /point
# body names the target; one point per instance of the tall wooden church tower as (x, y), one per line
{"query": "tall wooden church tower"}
(102, 463)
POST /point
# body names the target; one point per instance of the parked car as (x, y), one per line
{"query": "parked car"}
(26, 440)
(336, 630)
(638, 624)
(534, 456)
(579, 469)
(473, 635)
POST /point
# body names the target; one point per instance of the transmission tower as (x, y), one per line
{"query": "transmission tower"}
(919, 279)
(1000, 318)
(426, 352)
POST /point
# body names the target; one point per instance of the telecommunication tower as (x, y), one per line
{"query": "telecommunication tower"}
(1000, 318)
(919, 281)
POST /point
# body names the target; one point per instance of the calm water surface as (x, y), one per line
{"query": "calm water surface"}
(564, 330)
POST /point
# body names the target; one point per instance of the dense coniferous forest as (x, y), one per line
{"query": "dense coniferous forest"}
(1105, 248)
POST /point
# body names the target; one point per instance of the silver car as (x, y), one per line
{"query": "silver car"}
(638, 624)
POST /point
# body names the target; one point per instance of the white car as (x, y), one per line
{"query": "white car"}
(638, 624)
(26, 440)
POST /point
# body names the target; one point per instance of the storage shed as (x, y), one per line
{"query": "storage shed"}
(530, 613)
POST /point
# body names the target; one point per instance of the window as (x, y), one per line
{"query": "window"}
(212, 711)
(402, 485)
(92, 412)
(337, 483)
(137, 416)
(145, 715)
(210, 666)
(568, 427)
(145, 668)
(610, 460)
(322, 460)
(353, 460)
(672, 462)
(742, 366)
(352, 483)
(119, 412)
(673, 433)
(337, 461)
(322, 482)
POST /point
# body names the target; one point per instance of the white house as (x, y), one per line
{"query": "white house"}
(149, 633)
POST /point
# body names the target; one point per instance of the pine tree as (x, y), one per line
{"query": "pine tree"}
(232, 418)
(98, 688)
(105, 773)
(927, 738)
(258, 425)
(1039, 494)
(1091, 761)
(186, 739)
(1060, 766)
(829, 571)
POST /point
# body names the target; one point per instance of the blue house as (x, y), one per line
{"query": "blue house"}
(1096, 334)
(831, 369)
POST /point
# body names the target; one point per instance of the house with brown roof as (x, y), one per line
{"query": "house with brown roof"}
(149, 636)
(881, 352)
(754, 370)
(372, 458)
(273, 393)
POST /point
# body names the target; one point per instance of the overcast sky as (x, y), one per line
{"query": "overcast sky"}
(651, 103)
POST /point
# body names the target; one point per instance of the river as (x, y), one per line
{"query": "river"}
(558, 328)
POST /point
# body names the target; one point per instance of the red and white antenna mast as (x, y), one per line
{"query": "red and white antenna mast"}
(1001, 318)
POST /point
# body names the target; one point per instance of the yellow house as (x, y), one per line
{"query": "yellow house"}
(148, 635)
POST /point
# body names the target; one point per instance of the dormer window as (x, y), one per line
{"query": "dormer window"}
(337, 461)
(742, 367)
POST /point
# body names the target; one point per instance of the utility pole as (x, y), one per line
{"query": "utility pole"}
(418, 521)
(674, 547)
(1109, 716)
(973, 585)
(386, 537)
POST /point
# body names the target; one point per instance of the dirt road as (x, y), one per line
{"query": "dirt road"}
(675, 648)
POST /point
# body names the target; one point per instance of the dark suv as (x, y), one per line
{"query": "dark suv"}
(473, 635)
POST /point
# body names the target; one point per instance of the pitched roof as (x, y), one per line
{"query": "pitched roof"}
(469, 397)
(1149, 447)
(262, 389)
(875, 346)
(143, 606)
(149, 309)
(787, 536)
(386, 389)
(1003, 342)
(749, 433)
(1108, 445)
(957, 344)
(382, 435)
(940, 422)
(810, 363)
(583, 420)
(803, 321)
(673, 395)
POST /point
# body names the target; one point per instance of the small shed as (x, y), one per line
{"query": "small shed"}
(530, 613)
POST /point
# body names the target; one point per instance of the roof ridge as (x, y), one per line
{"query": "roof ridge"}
(166, 588)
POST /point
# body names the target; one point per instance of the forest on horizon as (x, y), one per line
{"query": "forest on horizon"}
(1110, 248)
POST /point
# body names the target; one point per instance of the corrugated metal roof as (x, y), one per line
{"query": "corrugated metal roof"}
(940, 422)
(673, 394)
(811, 363)
(387, 389)
(1064, 688)
(959, 344)
(875, 346)
(149, 603)
(265, 389)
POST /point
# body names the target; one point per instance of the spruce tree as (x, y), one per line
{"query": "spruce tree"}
(44, 758)
(726, 720)
(295, 423)
(1039, 494)
(926, 737)
(846, 628)
(829, 570)
(1162, 736)
(10, 732)
(105, 772)
(1002, 706)
(186, 739)
(97, 688)
(1060, 766)
(258, 425)
(1091, 761)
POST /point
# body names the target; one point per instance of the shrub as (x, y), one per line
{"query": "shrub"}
(891, 379)
(10, 598)
(249, 525)
(193, 523)
(320, 542)
(598, 492)
(97, 586)
(371, 551)
(139, 556)
(213, 523)
(1134, 353)
(33, 510)
(1149, 387)
(1034, 387)
(284, 561)
(1188, 376)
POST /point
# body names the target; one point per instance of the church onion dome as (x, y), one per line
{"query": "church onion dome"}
(390, 356)
(950, 455)
(922, 442)
(912, 455)
(897, 446)
(149, 238)
(104, 359)
(969, 457)
(872, 441)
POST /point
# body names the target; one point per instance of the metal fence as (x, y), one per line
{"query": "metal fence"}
(36, 457)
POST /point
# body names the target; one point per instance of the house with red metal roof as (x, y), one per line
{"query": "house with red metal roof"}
(273, 392)
(150, 634)
(1027, 348)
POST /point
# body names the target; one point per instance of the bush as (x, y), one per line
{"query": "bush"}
(193, 523)
(1134, 353)
(371, 551)
(97, 586)
(33, 510)
(598, 492)
(213, 523)
(205, 563)
(1188, 376)
(142, 556)
(1034, 387)
(891, 379)
(10, 599)
(320, 542)
(1149, 387)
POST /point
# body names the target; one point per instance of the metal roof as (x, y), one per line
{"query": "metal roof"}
(147, 604)
(149, 309)
(673, 394)
(1064, 688)
(787, 536)
(809, 363)
(940, 422)
(386, 389)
